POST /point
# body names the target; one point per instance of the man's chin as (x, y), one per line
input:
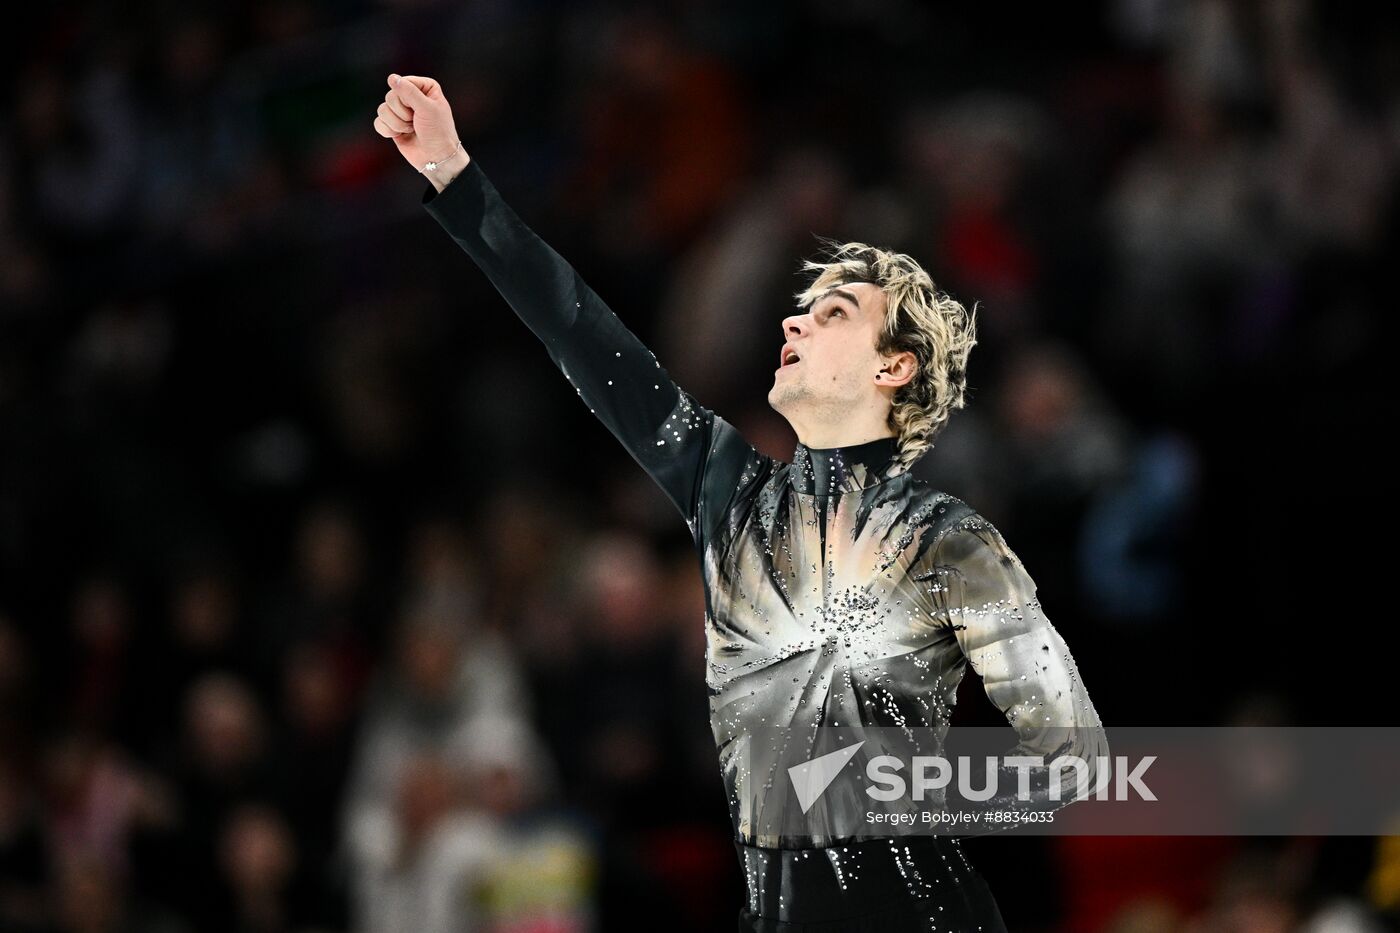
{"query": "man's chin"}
(781, 398)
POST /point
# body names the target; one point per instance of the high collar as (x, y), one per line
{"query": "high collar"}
(825, 470)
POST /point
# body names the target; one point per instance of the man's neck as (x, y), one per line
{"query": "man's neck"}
(841, 436)
(847, 431)
(827, 426)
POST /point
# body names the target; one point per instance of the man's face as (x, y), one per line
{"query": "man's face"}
(834, 341)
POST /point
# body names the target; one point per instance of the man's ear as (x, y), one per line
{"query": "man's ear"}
(898, 369)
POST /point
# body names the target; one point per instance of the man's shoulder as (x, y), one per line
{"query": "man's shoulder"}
(947, 517)
(935, 508)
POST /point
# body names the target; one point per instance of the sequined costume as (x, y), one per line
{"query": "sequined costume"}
(839, 590)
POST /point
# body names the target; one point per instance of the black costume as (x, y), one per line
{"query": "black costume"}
(839, 590)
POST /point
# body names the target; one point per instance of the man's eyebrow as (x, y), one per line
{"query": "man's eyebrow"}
(839, 293)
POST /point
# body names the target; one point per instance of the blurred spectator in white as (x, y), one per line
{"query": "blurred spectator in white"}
(544, 870)
(419, 852)
(470, 842)
(445, 673)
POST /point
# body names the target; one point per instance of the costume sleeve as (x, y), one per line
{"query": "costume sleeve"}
(989, 601)
(621, 381)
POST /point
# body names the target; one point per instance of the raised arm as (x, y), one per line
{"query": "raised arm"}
(667, 432)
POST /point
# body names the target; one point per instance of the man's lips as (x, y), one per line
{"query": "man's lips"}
(783, 355)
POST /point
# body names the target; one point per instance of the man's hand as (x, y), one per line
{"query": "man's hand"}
(418, 119)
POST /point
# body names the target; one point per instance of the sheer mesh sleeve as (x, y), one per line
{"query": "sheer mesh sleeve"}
(989, 601)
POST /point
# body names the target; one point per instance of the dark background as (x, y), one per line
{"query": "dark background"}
(323, 600)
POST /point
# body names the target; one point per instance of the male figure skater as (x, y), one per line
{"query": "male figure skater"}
(839, 590)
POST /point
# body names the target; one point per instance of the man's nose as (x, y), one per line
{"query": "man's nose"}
(795, 325)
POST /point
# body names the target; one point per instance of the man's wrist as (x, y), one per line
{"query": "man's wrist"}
(448, 169)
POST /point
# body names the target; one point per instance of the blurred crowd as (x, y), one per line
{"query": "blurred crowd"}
(324, 605)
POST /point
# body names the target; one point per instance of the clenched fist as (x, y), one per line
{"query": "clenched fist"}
(418, 119)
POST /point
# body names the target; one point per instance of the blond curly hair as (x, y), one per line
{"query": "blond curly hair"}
(919, 318)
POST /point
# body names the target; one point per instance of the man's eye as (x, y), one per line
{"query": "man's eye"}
(838, 311)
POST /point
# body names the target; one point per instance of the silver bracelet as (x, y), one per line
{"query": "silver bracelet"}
(432, 166)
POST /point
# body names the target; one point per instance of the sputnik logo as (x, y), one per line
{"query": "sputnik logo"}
(813, 777)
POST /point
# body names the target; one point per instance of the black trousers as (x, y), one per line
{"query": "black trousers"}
(922, 883)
